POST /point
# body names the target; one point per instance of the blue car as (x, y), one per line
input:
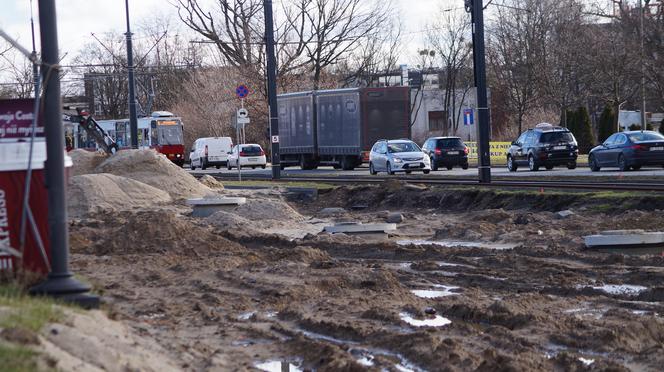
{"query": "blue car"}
(628, 150)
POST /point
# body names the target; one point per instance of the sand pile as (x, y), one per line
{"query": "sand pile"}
(85, 162)
(156, 170)
(268, 209)
(211, 182)
(93, 193)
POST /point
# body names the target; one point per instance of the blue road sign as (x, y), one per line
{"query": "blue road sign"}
(242, 91)
(468, 117)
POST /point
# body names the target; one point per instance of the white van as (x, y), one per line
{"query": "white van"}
(210, 152)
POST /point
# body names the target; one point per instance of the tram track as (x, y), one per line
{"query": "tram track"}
(605, 185)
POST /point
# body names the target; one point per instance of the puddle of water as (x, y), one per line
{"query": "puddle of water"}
(444, 291)
(620, 289)
(271, 314)
(246, 316)
(438, 321)
(278, 366)
(449, 244)
(587, 362)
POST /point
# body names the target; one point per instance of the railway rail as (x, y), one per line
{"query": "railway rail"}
(536, 184)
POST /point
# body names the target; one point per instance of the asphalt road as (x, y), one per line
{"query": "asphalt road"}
(646, 172)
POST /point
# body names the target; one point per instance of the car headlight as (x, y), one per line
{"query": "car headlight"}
(397, 160)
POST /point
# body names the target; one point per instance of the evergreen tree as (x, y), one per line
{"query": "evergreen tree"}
(606, 124)
(571, 121)
(583, 130)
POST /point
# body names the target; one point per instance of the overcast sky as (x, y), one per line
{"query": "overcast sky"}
(77, 19)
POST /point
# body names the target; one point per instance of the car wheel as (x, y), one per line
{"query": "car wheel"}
(409, 172)
(548, 167)
(449, 167)
(426, 171)
(253, 167)
(218, 166)
(511, 165)
(571, 165)
(282, 166)
(228, 165)
(592, 163)
(532, 164)
(204, 165)
(372, 171)
(434, 166)
(192, 166)
(622, 165)
(465, 166)
(636, 167)
(389, 169)
(262, 166)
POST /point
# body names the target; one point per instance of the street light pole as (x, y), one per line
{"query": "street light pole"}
(60, 282)
(483, 122)
(272, 89)
(133, 121)
(643, 68)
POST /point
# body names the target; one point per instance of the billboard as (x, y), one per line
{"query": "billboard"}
(16, 117)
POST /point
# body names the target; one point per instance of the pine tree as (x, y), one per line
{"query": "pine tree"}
(606, 124)
(571, 121)
(584, 130)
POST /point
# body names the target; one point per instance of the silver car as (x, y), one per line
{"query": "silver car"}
(398, 156)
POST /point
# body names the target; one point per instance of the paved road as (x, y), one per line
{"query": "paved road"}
(646, 172)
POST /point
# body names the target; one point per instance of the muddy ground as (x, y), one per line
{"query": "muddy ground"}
(222, 296)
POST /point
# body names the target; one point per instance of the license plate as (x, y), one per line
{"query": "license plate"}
(253, 159)
(657, 148)
(452, 153)
(560, 147)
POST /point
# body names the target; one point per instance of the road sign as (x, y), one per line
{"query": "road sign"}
(242, 113)
(243, 120)
(275, 139)
(468, 117)
(242, 91)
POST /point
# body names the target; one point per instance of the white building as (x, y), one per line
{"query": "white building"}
(428, 114)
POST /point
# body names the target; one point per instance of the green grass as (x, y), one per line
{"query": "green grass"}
(314, 185)
(17, 359)
(26, 312)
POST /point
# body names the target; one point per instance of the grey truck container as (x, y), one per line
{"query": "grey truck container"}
(347, 123)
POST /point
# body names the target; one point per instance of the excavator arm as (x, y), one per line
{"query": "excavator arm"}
(93, 130)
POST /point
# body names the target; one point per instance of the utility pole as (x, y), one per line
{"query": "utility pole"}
(60, 282)
(272, 89)
(475, 7)
(133, 121)
(35, 69)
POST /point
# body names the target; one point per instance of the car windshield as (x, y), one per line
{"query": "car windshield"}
(645, 136)
(449, 142)
(403, 147)
(556, 137)
(252, 150)
(170, 134)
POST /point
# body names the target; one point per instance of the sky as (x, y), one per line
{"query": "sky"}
(77, 19)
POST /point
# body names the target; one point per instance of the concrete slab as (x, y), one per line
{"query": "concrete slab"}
(624, 238)
(205, 207)
(360, 228)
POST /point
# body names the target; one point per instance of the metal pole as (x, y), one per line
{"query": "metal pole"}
(60, 283)
(133, 121)
(643, 70)
(272, 89)
(483, 123)
(35, 69)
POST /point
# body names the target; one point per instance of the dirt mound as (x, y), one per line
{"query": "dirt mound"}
(148, 232)
(92, 193)
(85, 162)
(229, 221)
(211, 182)
(268, 209)
(156, 170)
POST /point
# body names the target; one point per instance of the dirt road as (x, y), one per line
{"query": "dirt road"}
(471, 280)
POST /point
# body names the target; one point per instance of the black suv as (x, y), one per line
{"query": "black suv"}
(545, 145)
(447, 152)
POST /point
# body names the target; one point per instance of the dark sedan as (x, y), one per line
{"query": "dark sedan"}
(628, 150)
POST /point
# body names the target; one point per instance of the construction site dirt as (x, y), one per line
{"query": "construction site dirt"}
(470, 280)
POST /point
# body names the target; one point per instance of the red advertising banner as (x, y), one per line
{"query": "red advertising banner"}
(16, 119)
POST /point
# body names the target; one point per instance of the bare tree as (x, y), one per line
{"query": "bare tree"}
(516, 43)
(450, 38)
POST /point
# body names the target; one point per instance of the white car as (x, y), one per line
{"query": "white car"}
(398, 156)
(210, 152)
(247, 155)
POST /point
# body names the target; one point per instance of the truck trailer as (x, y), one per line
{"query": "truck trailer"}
(338, 127)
